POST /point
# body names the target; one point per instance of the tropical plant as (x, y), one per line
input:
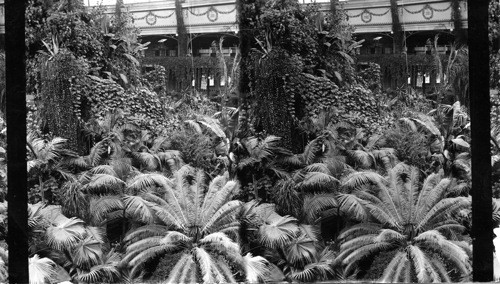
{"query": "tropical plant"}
(310, 173)
(418, 224)
(4, 263)
(447, 129)
(198, 221)
(45, 159)
(293, 247)
(259, 159)
(455, 78)
(72, 249)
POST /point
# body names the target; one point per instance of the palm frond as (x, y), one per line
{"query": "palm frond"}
(224, 214)
(102, 206)
(391, 273)
(213, 125)
(311, 151)
(362, 158)
(255, 267)
(104, 170)
(144, 181)
(139, 209)
(443, 209)
(359, 180)
(318, 181)
(206, 264)
(317, 203)
(220, 242)
(278, 230)
(104, 183)
(210, 206)
(65, 234)
(176, 274)
(433, 191)
(194, 125)
(352, 206)
(301, 250)
(148, 161)
(87, 253)
(140, 252)
(423, 268)
(41, 270)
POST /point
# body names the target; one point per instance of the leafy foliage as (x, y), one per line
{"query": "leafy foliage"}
(413, 222)
(198, 221)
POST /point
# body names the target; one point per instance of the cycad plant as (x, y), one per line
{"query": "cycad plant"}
(200, 222)
(415, 222)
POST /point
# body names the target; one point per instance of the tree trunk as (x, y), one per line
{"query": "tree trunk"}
(182, 39)
(118, 14)
(396, 28)
(40, 185)
(458, 29)
(333, 6)
(245, 37)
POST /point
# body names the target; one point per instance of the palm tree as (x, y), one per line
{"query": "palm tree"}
(416, 224)
(45, 159)
(201, 225)
(125, 144)
(68, 244)
(294, 247)
(309, 175)
(261, 159)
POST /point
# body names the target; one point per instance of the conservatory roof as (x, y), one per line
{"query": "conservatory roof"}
(155, 17)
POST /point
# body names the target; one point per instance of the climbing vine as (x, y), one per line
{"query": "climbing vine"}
(95, 97)
(56, 100)
(355, 104)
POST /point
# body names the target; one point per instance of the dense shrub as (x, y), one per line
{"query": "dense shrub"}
(196, 149)
(411, 147)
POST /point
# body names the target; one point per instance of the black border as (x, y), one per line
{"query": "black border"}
(17, 195)
(482, 223)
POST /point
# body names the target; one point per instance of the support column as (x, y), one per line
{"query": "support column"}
(482, 223)
(17, 194)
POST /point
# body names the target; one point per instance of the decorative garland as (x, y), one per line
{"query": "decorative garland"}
(212, 13)
(369, 12)
(427, 6)
(152, 17)
(427, 12)
(213, 9)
